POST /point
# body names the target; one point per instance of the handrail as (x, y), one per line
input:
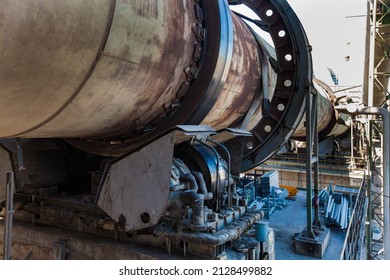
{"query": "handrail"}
(354, 239)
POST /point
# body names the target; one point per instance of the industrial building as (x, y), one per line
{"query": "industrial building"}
(187, 129)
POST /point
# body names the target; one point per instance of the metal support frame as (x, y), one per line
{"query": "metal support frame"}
(373, 5)
(353, 243)
(352, 165)
(379, 46)
(312, 168)
(385, 115)
(369, 193)
(9, 211)
(376, 210)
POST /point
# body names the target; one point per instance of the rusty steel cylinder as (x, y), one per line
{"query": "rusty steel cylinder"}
(111, 76)
(104, 69)
(326, 113)
(90, 68)
(242, 81)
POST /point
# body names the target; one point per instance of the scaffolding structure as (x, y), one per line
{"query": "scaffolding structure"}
(377, 75)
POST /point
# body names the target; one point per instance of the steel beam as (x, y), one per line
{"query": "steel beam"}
(9, 211)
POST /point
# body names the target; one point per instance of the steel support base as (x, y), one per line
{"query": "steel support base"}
(314, 247)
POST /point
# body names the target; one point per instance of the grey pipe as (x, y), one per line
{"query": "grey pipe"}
(196, 202)
(190, 179)
(193, 199)
(222, 236)
(376, 64)
(202, 185)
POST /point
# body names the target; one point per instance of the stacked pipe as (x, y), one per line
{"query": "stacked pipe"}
(323, 195)
(338, 210)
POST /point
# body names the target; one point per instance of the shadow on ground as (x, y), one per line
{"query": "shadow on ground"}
(291, 220)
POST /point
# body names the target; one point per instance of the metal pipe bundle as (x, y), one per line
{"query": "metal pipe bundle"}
(338, 210)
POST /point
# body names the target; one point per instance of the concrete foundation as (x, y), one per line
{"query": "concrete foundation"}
(42, 242)
(314, 247)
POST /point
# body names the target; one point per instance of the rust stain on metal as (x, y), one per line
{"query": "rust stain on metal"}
(122, 221)
(139, 71)
(152, 8)
(47, 55)
(242, 82)
(326, 118)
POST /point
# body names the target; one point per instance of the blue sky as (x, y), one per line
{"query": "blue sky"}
(336, 29)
